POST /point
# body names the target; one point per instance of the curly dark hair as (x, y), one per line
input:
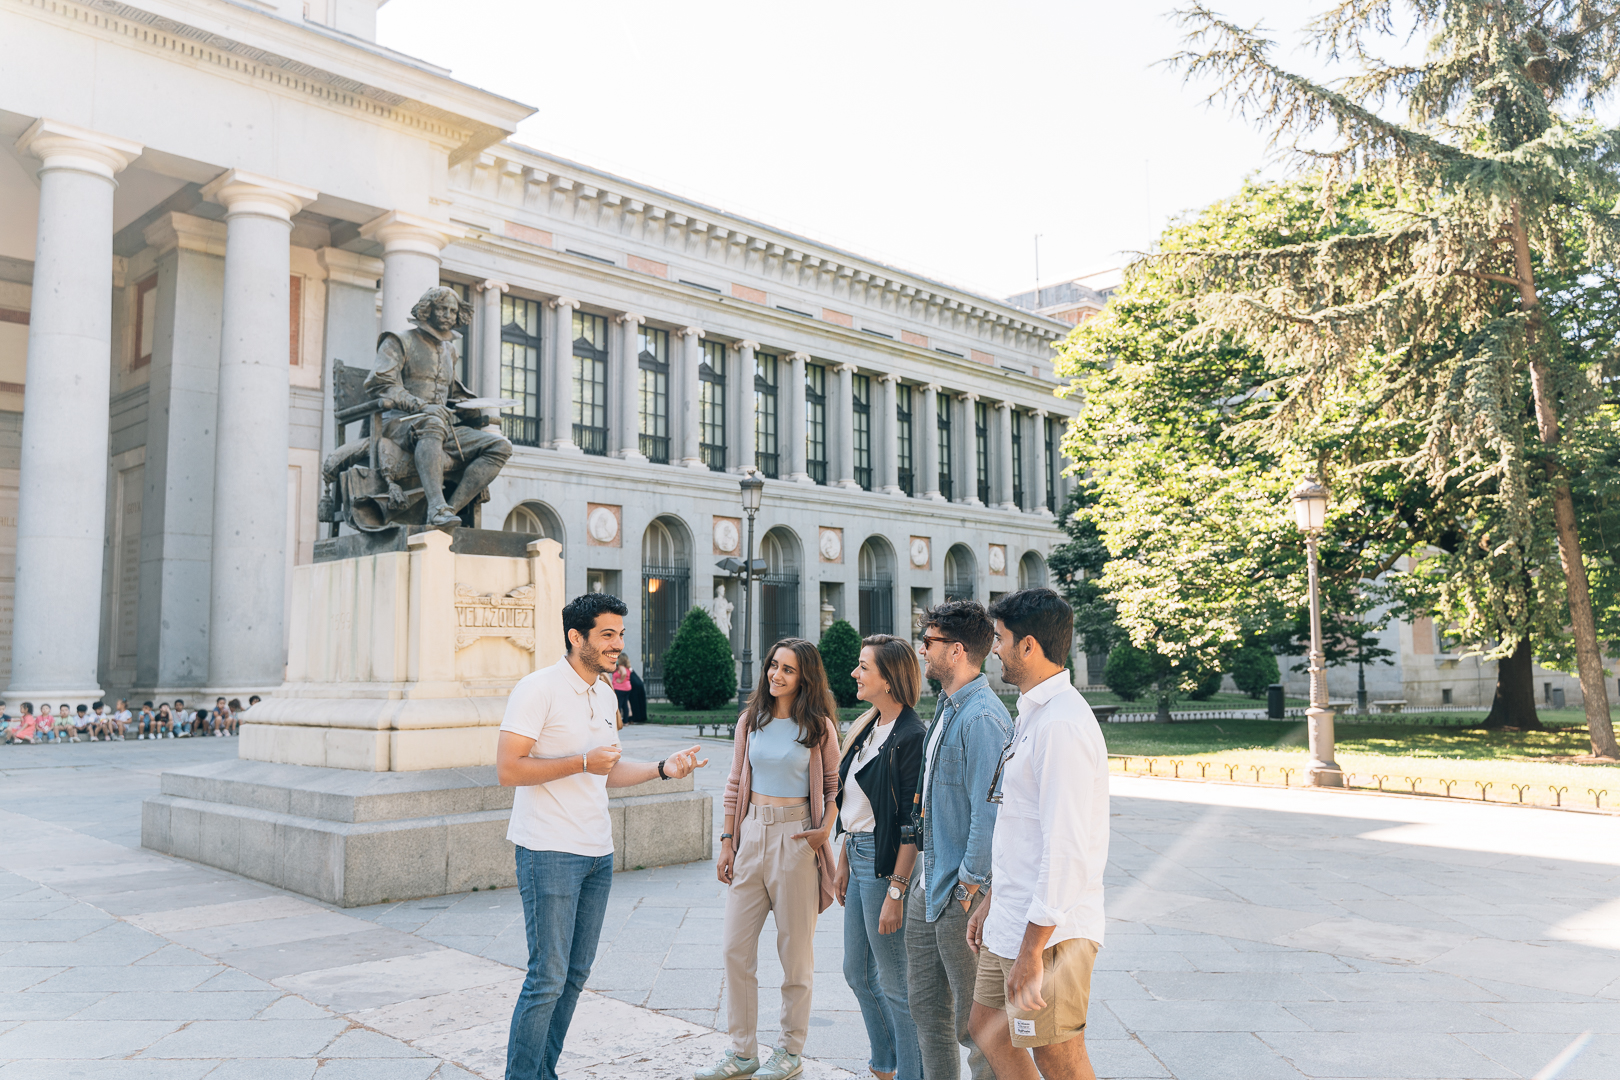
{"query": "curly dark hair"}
(464, 310)
(581, 613)
(964, 621)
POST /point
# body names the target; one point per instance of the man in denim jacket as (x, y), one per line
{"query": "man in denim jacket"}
(970, 730)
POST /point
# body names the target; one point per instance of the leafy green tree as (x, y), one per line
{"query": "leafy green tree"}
(1440, 315)
(1254, 667)
(699, 672)
(1076, 566)
(1208, 684)
(840, 652)
(1130, 671)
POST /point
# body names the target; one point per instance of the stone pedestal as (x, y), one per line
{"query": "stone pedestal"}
(352, 838)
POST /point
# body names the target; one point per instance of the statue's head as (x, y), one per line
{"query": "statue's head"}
(441, 309)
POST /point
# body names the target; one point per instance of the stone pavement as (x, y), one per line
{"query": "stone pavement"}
(1254, 933)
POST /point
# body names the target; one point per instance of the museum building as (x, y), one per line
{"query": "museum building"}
(206, 205)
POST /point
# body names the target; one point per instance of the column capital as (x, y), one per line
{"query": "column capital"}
(347, 268)
(494, 286)
(242, 192)
(400, 231)
(560, 302)
(185, 232)
(889, 377)
(1040, 413)
(970, 398)
(933, 387)
(65, 146)
(846, 367)
(799, 357)
(752, 346)
(1004, 406)
(629, 318)
(691, 332)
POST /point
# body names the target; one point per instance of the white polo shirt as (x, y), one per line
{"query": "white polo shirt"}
(566, 717)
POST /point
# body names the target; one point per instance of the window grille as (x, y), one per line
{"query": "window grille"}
(1017, 420)
(943, 422)
(765, 414)
(590, 382)
(520, 369)
(666, 595)
(712, 405)
(981, 448)
(902, 420)
(815, 422)
(861, 428)
(652, 362)
(876, 606)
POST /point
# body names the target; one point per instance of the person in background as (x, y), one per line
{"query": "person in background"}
(1038, 933)
(638, 697)
(970, 730)
(45, 727)
(144, 721)
(253, 699)
(779, 812)
(24, 727)
(97, 722)
(236, 714)
(163, 721)
(877, 783)
(64, 722)
(220, 718)
(620, 681)
(122, 718)
(199, 722)
(82, 724)
(5, 721)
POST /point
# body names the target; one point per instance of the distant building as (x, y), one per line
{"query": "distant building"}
(1073, 301)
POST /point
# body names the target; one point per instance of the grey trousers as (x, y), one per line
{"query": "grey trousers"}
(940, 977)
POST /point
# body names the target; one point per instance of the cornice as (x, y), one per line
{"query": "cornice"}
(187, 233)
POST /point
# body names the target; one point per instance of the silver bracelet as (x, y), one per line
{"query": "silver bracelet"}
(584, 763)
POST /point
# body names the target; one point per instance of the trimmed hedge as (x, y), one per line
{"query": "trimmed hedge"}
(699, 672)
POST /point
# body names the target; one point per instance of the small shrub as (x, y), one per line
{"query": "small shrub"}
(698, 669)
(1129, 671)
(840, 652)
(1254, 668)
(1206, 685)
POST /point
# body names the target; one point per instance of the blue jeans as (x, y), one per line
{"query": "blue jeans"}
(564, 901)
(875, 965)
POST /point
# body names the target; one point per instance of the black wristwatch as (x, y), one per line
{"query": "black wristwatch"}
(662, 775)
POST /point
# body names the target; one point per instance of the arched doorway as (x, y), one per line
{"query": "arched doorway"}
(779, 587)
(666, 593)
(961, 573)
(534, 518)
(1031, 571)
(876, 568)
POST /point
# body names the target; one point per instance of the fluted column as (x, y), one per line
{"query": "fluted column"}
(62, 488)
(1001, 462)
(624, 382)
(560, 410)
(690, 396)
(796, 455)
(842, 422)
(1037, 461)
(489, 340)
(246, 648)
(967, 452)
(411, 246)
(925, 438)
(740, 401)
(886, 436)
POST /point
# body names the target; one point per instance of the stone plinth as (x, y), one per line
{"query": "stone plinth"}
(350, 837)
(401, 659)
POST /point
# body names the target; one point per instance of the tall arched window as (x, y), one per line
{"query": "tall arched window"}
(666, 594)
(1031, 571)
(961, 574)
(876, 567)
(779, 588)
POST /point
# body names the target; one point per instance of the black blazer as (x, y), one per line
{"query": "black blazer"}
(890, 781)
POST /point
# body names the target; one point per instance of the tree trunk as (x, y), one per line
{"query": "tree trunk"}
(1588, 656)
(1515, 701)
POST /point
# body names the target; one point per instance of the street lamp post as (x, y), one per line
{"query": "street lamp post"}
(752, 490)
(1310, 513)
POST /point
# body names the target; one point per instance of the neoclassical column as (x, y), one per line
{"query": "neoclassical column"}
(246, 650)
(690, 396)
(1036, 461)
(489, 340)
(560, 409)
(842, 422)
(925, 438)
(886, 436)
(1001, 464)
(411, 246)
(351, 322)
(62, 486)
(967, 452)
(624, 383)
(797, 455)
(740, 400)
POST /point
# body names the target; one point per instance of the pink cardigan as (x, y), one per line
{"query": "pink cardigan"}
(823, 759)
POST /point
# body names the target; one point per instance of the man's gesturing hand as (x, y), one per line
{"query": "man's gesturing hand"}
(678, 766)
(600, 761)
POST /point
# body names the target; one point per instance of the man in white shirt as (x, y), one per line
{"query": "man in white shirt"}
(559, 746)
(1038, 934)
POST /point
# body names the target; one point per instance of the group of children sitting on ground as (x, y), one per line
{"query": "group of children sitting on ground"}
(97, 723)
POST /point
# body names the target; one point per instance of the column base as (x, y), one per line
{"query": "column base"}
(801, 478)
(934, 496)
(848, 485)
(696, 464)
(1326, 777)
(630, 455)
(73, 698)
(1014, 507)
(893, 489)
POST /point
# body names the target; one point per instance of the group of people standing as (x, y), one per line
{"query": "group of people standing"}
(970, 869)
(97, 723)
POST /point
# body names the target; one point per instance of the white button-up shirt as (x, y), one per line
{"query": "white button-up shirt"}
(1051, 840)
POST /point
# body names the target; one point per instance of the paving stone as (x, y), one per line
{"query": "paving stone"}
(359, 1043)
(1389, 1056)
(126, 1069)
(1529, 1054)
(385, 1068)
(172, 1005)
(266, 1069)
(1186, 1016)
(50, 1039)
(106, 979)
(249, 1038)
(1217, 1056)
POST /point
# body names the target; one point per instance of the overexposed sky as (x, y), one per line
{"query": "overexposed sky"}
(939, 137)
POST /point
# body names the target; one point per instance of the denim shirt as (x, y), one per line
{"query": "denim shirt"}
(957, 820)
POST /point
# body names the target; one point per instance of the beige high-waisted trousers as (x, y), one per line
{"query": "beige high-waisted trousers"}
(773, 873)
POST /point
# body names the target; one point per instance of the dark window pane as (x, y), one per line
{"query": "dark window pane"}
(520, 369)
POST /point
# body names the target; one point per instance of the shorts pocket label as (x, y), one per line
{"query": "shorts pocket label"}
(1024, 1028)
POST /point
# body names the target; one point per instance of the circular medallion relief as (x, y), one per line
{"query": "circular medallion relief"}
(998, 559)
(832, 545)
(725, 536)
(919, 551)
(603, 525)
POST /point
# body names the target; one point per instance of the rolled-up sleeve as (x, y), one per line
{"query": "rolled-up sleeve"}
(986, 741)
(1065, 825)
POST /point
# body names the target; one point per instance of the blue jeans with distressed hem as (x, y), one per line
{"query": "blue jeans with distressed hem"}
(875, 965)
(564, 902)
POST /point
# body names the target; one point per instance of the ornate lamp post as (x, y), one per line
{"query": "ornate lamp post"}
(753, 488)
(1310, 513)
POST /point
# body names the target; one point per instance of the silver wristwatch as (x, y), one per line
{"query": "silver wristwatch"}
(960, 893)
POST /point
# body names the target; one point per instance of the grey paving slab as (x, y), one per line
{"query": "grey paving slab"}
(124, 1069)
(359, 1043)
(387, 1068)
(171, 1005)
(1389, 1056)
(248, 1039)
(1186, 1016)
(1217, 1056)
(23, 1006)
(50, 1039)
(264, 1069)
(1526, 1055)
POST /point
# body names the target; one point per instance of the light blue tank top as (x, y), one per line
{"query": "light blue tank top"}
(780, 767)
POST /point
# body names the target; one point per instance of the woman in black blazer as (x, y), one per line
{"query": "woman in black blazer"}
(877, 785)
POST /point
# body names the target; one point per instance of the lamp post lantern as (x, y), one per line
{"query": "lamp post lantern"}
(1310, 514)
(753, 488)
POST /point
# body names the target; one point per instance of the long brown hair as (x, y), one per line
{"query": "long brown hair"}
(814, 706)
(896, 661)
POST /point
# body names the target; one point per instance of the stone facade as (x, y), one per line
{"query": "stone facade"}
(245, 193)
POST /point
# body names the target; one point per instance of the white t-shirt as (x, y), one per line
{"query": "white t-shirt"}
(934, 738)
(566, 717)
(857, 814)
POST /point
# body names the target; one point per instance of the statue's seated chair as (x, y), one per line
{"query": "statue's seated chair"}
(372, 482)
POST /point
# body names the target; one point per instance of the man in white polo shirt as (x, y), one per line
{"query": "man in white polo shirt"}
(1038, 934)
(559, 746)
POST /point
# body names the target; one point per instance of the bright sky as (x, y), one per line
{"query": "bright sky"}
(937, 136)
